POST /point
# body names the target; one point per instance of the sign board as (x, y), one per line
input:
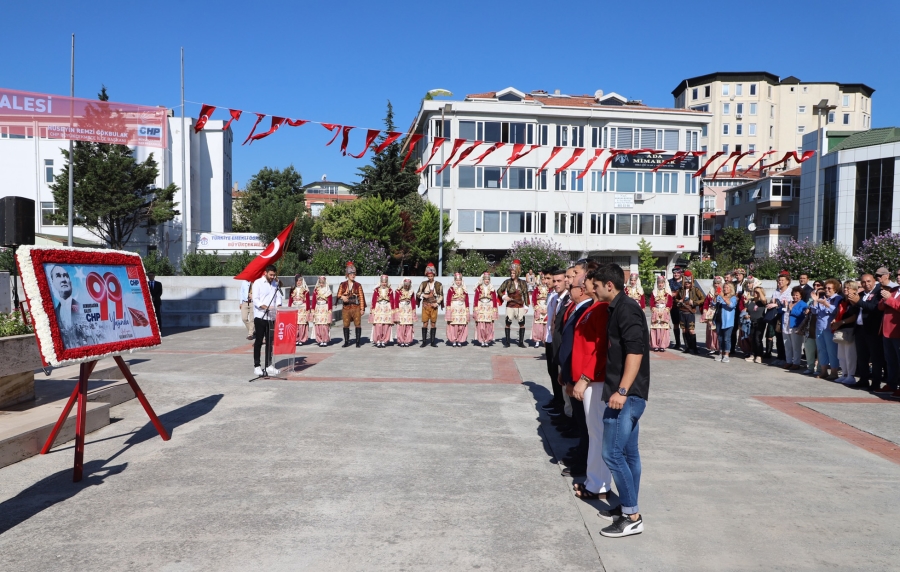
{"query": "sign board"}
(230, 242)
(652, 161)
(624, 201)
(87, 304)
(62, 117)
(285, 334)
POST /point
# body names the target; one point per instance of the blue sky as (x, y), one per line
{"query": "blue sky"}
(340, 62)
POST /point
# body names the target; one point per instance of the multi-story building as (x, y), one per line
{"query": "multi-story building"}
(491, 206)
(758, 111)
(714, 191)
(859, 187)
(321, 193)
(767, 208)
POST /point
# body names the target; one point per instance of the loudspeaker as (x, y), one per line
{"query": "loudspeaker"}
(16, 221)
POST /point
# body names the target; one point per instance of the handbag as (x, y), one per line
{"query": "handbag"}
(844, 336)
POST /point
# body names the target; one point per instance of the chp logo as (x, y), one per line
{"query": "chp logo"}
(150, 132)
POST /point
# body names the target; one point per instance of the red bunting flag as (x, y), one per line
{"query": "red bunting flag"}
(371, 135)
(792, 155)
(575, 155)
(296, 122)
(678, 155)
(412, 146)
(702, 169)
(332, 127)
(733, 154)
(760, 160)
(438, 141)
(259, 117)
(734, 166)
(276, 123)
(456, 145)
(613, 153)
(597, 153)
(490, 150)
(553, 154)
(346, 138)
(206, 112)
(518, 153)
(235, 115)
(466, 153)
(269, 255)
(390, 138)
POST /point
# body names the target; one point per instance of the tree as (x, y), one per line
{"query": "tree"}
(877, 251)
(266, 186)
(425, 245)
(819, 260)
(113, 195)
(385, 178)
(275, 214)
(738, 243)
(473, 263)
(372, 218)
(535, 254)
(329, 257)
(158, 264)
(646, 264)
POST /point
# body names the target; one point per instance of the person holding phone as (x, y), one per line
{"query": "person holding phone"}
(824, 306)
(726, 306)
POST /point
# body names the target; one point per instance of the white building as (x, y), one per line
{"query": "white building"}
(604, 217)
(859, 187)
(758, 111)
(28, 166)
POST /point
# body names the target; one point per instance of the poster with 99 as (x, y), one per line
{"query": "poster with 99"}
(87, 303)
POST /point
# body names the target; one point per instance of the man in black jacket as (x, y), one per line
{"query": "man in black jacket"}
(867, 334)
(556, 303)
(155, 295)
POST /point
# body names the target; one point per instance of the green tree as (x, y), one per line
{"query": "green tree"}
(424, 246)
(276, 214)
(473, 263)
(201, 263)
(158, 264)
(236, 263)
(113, 195)
(385, 178)
(534, 254)
(372, 218)
(646, 264)
(266, 186)
(736, 242)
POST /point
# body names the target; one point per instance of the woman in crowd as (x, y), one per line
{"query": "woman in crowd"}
(725, 308)
(660, 315)
(809, 342)
(756, 314)
(381, 312)
(634, 290)
(300, 299)
(842, 328)
(794, 313)
(539, 303)
(890, 330)
(485, 302)
(530, 281)
(745, 294)
(824, 305)
(405, 313)
(323, 316)
(457, 313)
(709, 312)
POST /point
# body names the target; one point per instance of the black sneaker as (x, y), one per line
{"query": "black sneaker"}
(623, 526)
(610, 514)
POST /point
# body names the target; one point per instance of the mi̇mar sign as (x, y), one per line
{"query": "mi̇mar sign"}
(646, 161)
(24, 114)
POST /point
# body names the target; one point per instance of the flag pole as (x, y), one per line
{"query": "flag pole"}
(287, 243)
(71, 150)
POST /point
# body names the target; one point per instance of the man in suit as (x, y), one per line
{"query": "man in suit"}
(556, 302)
(155, 295)
(867, 333)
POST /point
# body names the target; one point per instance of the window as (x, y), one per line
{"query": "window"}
(441, 130)
(595, 137)
(726, 89)
(536, 223)
(829, 203)
(567, 223)
(315, 209)
(575, 184)
(559, 182)
(505, 132)
(466, 177)
(467, 130)
(492, 177)
(771, 112)
(725, 148)
(726, 109)
(468, 221)
(694, 93)
(752, 109)
(726, 128)
(781, 188)
(665, 182)
(846, 119)
(739, 108)
(501, 221)
(801, 128)
(801, 109)
(436, 179)
(693, 141)
(751, 147)
(770, 92)
(805, 89)
(738, 148)
(704, 108)
(690, 184)
(690, 225)
(738, 128)
(845, 101)
(752, 127)
(739, 89)
(706, 91)
(545, 131)
(874, 199)
(628, 181)
(735, 198)
(563, 138)
(771, 131)
(736, 222)
(792, 89)
(47, 209)
(669, 140)
(491, 221)
(752, 89)
(48, 170)
(709, 204)
(704, 132)
(519, 178)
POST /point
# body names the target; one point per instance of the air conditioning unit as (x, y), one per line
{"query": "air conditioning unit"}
(739, 116)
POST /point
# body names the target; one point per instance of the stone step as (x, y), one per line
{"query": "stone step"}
(196, 305)
(201, 319)
(191, 293)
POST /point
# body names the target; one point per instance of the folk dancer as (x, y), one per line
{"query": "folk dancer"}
(634, 290)
(539, 302)
(266, 296)
(405, 313)
(514, 292)
(430, 296)
(688, 300)
(381, 314)
(323, 311)
(485, 302)
(301, 299)
(457, 313)
(660, 315)
(354, 304)
(709, 312)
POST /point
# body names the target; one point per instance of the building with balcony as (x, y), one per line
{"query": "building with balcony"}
(321, 193)
(768, 208)
(758, 111)
(587, 213)
(713, 208)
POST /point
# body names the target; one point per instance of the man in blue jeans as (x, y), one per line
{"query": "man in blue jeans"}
(626, 389)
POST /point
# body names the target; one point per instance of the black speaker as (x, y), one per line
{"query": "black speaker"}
(16, 221)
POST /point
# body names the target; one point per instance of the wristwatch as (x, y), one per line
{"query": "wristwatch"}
(623, 391)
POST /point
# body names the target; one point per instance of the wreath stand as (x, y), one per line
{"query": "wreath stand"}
(79, 394)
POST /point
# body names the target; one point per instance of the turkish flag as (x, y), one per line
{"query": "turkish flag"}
(268, 256)
(205, 113)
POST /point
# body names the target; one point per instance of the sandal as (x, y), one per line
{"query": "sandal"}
(584, 494)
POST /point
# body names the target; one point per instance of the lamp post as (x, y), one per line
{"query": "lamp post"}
(819, 109)
(447, 107)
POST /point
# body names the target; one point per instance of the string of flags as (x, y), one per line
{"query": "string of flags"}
(519, 150)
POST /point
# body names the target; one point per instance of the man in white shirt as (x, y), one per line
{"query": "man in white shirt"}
(266, 296)
(245, 303)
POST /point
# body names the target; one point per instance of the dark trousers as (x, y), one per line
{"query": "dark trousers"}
(756, 337)
(734, 336)
(553, 372)
(779, 344)
(580, 420)
(262, 328)
(869, 350)
(676, 325)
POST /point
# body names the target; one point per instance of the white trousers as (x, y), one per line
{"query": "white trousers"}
(599, 479)
(847, 359)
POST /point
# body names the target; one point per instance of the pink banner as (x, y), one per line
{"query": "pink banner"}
(25, 115)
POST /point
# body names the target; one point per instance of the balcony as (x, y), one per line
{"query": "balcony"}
(770, 203)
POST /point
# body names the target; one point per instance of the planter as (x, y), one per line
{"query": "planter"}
(19, 357)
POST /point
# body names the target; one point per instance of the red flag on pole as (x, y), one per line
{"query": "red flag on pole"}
(760, 160)
(206, 112)
(296, 122)
(490, 150)
(701, 170)
(345, 139)
(268, 256)
(235, 115)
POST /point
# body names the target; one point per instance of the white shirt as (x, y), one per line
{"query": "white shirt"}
(266, 293)
(244, 291)
(865, 298)
(560, 301)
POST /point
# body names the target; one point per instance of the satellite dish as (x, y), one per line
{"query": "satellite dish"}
(751, 227)
(422, 188)
(718, 227)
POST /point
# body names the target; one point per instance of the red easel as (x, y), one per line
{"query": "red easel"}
(80, 394)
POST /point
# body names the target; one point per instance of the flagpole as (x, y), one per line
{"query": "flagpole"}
(287, 243)
(71, 150)
(184, 205)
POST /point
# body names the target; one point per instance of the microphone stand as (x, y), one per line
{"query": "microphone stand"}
(270, 342)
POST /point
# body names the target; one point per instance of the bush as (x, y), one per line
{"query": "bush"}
(158, 264)
(7, 260)
(201, 263)
(330, 257)
(236, 263)
(701, 269)
(820, 260)
(13, 325)
(535, 254)
(723, 263)
(764, 268)
(877, 251)
(473, 263)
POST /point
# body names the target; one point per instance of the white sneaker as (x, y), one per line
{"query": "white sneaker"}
(725, 359)
(272, 370)
(258, 371)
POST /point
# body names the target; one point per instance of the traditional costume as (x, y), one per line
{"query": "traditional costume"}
(322, 311)
(430, 297)
(485, 301)
(539, 326)
(514, 291)
(350, 292)
(457, 312)
(688, 300)
(660, 315)
(381, 314)
(634, 290)
(300, 299)
(405, 313)
(709, 313)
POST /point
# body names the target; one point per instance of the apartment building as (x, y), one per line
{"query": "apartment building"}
(491, 206)
(768, 208)
(322, 193)
(759, 111)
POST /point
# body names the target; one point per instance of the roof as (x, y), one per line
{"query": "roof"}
(63, 240)
(869, 138)
(319, 183)
(769, 77)
(598, 100)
